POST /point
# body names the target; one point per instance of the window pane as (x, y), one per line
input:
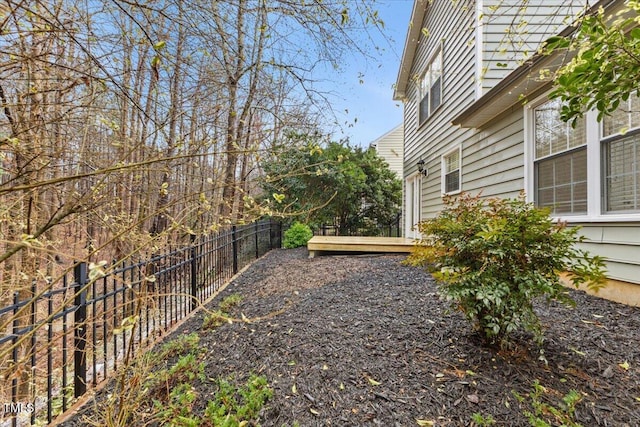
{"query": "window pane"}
(552, 135)
(622, 174)
(436, 94)
(545, 198)
(452, 162)
(545, 175)
(561, 183)
(577, 135)
(452, 182)
(424, 84)
(626, 117)
(616, 122)
(436, 67)
(431, 88)
(634, 111)
(424, 108)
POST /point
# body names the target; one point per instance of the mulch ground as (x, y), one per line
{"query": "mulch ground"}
(366, 341)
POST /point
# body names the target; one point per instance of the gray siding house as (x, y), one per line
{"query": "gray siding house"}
(464, 72)
(390, 148)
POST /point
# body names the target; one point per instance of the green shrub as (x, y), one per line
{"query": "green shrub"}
(494, 257)
(297, 235)
(233, 407)
(561, 415)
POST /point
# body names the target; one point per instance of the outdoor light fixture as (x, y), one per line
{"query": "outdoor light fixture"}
(422, 168)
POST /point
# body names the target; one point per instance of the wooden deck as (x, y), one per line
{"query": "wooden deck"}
(319, 244)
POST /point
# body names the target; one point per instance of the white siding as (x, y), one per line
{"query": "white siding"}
(390, 147)
(511, 33)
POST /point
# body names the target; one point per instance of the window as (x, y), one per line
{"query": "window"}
(431, 87)
(621, 158)
(451, 172)
(587, 173)
(560, 161)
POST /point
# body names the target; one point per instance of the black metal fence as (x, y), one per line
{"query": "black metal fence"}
(391, 229)
(76, 333)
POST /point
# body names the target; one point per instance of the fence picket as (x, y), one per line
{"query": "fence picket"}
(195, 272)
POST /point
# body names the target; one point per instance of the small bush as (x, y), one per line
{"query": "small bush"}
(297, 235)
(229, 302)
(233, 407)
(494, 257)
(547, 415)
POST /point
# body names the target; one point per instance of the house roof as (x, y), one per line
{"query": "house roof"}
(410, 48)
(524, 81)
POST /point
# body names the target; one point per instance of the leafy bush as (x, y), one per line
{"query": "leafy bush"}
(563, 415)
(233, 407)
(494, 257)
(297, 235)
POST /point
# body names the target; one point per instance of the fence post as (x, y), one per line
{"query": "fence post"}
(255, 229)
(194, 273)
(80, 330)
(234, 245)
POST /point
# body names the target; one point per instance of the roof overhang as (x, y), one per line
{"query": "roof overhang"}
(410, 48)
(522, 84)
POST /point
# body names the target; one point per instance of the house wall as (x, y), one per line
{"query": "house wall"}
(390, 147)
(493, 165)
(511, 33)
(451, 28)
(470, 69)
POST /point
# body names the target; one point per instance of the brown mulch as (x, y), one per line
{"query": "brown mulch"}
(366, 341)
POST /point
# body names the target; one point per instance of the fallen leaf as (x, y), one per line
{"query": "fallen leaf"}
(624, 365)
(313, 411)
(294, 389)
(576, 351)
(372, 381)
(473, 398)
(425, 423)
(325, 367)
(341, 387)
(638, 399)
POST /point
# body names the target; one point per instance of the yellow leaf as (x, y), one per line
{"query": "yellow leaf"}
(341, 387)
(313, 411)
(624, 365)
(425, 423)
(372, 381)
(294, 389)
(638, 399)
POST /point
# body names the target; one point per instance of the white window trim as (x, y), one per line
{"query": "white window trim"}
(443, 172)
(594, 168)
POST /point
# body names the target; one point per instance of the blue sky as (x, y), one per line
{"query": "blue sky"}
(371, 101)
